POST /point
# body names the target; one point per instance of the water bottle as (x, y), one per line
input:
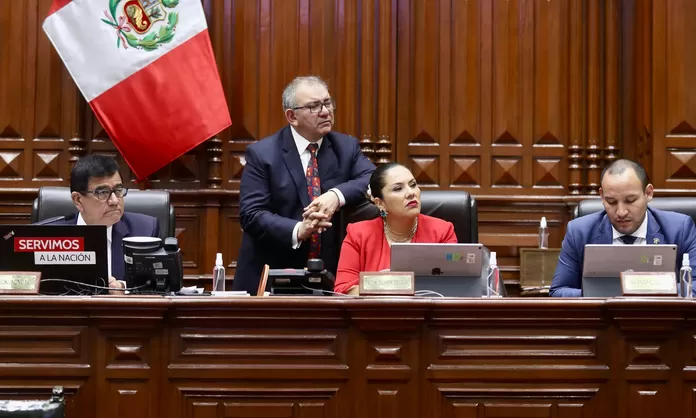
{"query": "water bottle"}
(493, 282)
(543, 234)
(218, 274)
(685, 283)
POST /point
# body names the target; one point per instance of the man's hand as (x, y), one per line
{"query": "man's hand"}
(115, 286)
(314, 222)
(327, 204)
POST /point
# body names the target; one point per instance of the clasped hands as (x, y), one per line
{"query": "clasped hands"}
(316, 216)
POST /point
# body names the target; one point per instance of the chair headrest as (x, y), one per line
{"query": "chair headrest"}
(453, 206)
(56, 201)
(683, 205)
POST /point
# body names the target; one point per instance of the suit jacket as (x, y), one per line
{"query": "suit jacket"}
(130, 225)
(365, 247)
(273, 194)
(663, 226)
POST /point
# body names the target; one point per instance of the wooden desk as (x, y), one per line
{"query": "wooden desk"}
(335, 357)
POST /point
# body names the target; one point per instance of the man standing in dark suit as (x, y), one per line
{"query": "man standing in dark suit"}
(293, 183)
(97, 190)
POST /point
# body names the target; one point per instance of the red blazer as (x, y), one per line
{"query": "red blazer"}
(365, 247)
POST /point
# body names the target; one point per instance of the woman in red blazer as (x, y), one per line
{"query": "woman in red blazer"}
(367, 244)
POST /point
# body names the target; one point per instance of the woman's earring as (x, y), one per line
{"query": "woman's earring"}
(383, 213)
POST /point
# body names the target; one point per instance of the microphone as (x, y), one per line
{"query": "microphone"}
(55, 219)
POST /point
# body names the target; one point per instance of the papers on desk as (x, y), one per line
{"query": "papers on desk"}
(191, 290)
(233, 293)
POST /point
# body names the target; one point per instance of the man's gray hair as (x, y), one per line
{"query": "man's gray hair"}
(290, 90)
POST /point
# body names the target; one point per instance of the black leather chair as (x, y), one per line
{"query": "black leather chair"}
(52, 408)
(56, 201)
(685, 205)
(455, 206)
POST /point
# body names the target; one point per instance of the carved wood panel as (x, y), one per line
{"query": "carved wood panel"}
(342, 357)
(516, 100)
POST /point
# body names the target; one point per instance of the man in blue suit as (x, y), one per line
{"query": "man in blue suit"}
(626, 220)
(293, 183)
(97, 190)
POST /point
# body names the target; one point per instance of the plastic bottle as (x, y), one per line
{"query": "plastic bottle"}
(685, 278)
(543, 233)
(492, 288)
(218, 274)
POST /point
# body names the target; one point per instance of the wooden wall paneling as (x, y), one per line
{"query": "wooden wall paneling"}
(612, 81)
(420, 136)
(38, 105)
(241, 37)
(15, 205)
(546, 140)
(512, 101)
(485, 114)
(595, 104)
(577, 95)
(366, 100)
(507, 224)
(673, 92)
(629, 73)
(386, 81)
(642, 85)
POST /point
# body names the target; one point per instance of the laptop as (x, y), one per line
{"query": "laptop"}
(68, 252)
(603, 264)
(449, 269)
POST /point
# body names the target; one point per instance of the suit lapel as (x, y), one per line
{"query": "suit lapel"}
(119, 231)
(327, 161)
(294, 165)
(654, 235)
(605, 235)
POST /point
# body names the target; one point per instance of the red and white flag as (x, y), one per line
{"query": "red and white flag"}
(147, 69)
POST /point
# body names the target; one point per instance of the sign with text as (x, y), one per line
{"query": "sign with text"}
(648, 284)
(19, 282)
(387, 283)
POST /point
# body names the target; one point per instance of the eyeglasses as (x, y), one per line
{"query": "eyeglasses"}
(315, 107)
(105, 193)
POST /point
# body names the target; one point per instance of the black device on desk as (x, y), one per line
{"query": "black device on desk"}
(77, 253)
(152, 266)
(312, 281)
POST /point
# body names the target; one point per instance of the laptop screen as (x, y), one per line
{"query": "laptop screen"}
(604, 263)
(437, 259)
(453, 270)
(66, 252)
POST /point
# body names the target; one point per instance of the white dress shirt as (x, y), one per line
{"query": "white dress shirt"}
(640, 234)
(81, 221)
(301, 143)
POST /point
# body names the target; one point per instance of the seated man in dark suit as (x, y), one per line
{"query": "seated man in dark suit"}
(97, 190)
(626, 220)
(293, 182)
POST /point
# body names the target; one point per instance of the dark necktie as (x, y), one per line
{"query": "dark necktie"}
(628, 239)
(314, 191)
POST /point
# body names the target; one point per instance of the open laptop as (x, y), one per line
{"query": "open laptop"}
(448, 269)
(603, 264)
(69, 252)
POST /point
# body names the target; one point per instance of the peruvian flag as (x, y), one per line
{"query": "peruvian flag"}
(147, 69)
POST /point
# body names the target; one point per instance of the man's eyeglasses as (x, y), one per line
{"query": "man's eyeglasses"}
(315, 107)
(105, 193)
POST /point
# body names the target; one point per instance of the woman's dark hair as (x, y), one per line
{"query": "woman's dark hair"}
(91, 166)
(377, 181)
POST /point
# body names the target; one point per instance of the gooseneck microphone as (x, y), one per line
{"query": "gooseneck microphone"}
(55, 219)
